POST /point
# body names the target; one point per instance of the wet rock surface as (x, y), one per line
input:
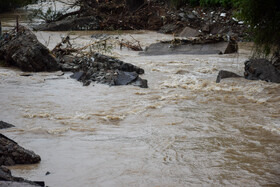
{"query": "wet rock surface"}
(6, 179)
(104, 69)
(11, 153)
(226, 74)
(23, 50)
(193, 45)
(261, 69)
(4, 125)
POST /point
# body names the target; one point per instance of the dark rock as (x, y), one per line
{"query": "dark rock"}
(261, 69)
(6, 179)
(124, 78)
(77, 75)
(47, 173)
(16, 184)
(106, 70)
(22, 49)
(11, 153)
(225, 74)
(4, 125)
(82, 23)
(26, 74)
(142, 83)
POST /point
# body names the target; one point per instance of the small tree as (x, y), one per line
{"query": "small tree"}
(263, 18)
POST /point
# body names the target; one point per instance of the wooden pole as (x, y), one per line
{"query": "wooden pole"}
(17, 22)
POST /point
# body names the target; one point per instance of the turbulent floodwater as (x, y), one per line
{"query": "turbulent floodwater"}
(184, 130)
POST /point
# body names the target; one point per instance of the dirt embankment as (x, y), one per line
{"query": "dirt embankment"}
(151, 15)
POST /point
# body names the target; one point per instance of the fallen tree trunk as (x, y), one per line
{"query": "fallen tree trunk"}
(22, 49)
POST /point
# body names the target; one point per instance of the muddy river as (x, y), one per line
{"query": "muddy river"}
(184, 130)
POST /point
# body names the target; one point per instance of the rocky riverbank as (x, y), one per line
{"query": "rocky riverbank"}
(11, 154)
(21, 48)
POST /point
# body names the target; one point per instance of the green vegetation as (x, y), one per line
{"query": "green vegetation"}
(6, 5)
(263, 17)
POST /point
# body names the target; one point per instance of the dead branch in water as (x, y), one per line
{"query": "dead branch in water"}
(131, 45)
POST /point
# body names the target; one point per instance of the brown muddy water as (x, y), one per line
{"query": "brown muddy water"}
(184, 130)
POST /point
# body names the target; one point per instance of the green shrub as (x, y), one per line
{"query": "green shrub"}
(263, 17)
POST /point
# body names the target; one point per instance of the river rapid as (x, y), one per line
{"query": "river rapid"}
(184, 130)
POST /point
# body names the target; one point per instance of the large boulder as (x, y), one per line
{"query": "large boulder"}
(261, 69)
(11, 153)
(22, 49)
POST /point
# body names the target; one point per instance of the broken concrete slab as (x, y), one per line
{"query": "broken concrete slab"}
(199, 49)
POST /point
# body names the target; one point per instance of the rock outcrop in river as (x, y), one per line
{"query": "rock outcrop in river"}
(4, 125)
(261, 69)
(255, 69)
(103, 69)
(22, 49)
(7, 180)
(11, 153)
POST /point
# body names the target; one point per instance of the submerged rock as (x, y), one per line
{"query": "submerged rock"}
(11, 153)
(22, 49)
(225, 74)
(4, 125)
(261, 69)
(6, 179)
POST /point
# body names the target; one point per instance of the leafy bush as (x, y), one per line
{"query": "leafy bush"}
(264, 20)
